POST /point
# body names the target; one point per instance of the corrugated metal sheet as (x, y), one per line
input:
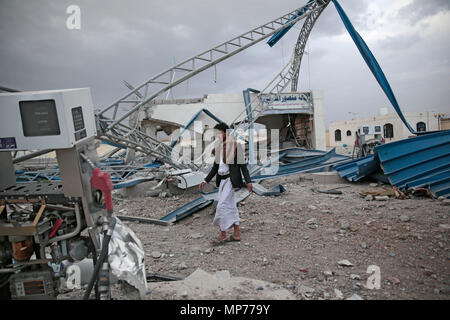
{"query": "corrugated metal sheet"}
(323, 162)
(357, 169)
(418, 162)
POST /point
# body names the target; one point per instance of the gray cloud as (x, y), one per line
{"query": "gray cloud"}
(137, 39)
(419, 9)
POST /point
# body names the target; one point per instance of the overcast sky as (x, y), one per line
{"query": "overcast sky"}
(135, 39)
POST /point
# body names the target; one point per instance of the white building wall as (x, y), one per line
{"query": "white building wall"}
(400, 131)
(229, 108)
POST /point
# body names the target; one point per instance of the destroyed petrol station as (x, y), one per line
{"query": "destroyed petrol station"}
(117, 202)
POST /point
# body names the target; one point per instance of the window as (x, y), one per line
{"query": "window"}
(388, 130)
(421, 127)
(337, 135)
(349, 133)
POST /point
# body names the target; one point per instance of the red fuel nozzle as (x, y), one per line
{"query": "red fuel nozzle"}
(102, 181)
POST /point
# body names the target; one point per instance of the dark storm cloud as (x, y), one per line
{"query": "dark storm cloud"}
(420, 9)
(136, 39)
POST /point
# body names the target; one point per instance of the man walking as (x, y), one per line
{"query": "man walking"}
(228, 176)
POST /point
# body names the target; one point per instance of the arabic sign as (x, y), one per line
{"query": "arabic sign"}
(288, 100)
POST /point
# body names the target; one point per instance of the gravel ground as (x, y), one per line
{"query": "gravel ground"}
(297, 239)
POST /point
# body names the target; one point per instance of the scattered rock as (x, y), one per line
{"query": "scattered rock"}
(345, 263)
(312, 207)
(382, 198)
(404, 218)
(338, 294)
(328, 273)
(344, 224)
(164, 194)
(368, 197)
(196, 235)
(305, 291)
(444, 226)
(182, 266)
(156, 254)
(281, 232)
(373, 185)
(394, 280)
(355, 277)
(363, 245)
(312, 223)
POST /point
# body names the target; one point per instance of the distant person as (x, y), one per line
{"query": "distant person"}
(228, 176)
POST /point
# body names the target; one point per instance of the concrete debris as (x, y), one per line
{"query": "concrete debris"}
(338, 294)
(203, 285)
(345, 263)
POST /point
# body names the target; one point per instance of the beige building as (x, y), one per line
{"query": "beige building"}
(342, 134)
(300, 110)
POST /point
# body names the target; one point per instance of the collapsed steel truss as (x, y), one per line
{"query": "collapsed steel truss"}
(112, 128)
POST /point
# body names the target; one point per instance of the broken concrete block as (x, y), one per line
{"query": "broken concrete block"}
(327, 178)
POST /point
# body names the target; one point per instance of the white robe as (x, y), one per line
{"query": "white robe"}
(227, 213)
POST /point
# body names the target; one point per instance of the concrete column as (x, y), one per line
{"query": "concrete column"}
(318, 131)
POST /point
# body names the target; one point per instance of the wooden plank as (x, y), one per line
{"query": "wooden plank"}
(38, 216)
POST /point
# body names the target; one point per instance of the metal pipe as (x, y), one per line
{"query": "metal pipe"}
(3, 88)
(31, 155)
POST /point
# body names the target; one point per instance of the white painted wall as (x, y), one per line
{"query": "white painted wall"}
(400, 131)
(229, 108)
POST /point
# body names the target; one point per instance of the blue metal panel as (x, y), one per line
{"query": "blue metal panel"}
(190, 207)
(191, 122)
(371, 63)
(277, 36)
(418, 162)
(355, 170)
(311, 164)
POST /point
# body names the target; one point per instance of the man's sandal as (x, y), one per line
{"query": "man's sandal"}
(218, 241)
(231, 239)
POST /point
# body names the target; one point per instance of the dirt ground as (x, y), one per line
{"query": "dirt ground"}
(296, 240)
